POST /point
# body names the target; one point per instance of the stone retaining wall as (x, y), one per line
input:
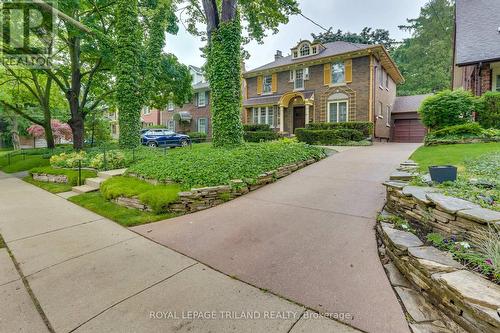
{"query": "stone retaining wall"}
(436, 212)
(42, 177)
(203, 198)
(466, 298)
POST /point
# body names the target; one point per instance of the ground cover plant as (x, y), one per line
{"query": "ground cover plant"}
(126, 217)
(20, 163)
(157, 197)
(204, 165)
(484, 259)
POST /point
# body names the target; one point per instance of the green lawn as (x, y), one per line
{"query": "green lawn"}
(124, 216)
(20, 163)
(452, 154)
(50, 187)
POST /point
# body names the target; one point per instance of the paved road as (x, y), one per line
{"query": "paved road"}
(91, 275)
(309, 237)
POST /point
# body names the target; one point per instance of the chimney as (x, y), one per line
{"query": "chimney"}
(278, 55)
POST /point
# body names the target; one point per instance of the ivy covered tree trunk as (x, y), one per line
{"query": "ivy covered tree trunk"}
(128, 95)
(224, 75)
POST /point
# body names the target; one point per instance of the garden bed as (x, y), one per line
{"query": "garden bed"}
(61, 176)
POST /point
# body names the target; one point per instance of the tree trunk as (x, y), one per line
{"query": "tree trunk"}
(77, 124)
(76, 121)
(49, 136)
(16, 142)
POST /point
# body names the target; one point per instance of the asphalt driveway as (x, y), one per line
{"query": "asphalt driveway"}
(309, 237)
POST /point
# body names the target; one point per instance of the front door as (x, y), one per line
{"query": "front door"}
(299, 117)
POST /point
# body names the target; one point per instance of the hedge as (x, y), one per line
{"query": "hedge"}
(257, 128)
(328, 137)
(489, 110)
(364, 127)
(197, 136)
(260, 136)
(465, 129)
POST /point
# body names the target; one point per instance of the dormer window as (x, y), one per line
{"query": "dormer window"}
(305, 50)
(315, 49)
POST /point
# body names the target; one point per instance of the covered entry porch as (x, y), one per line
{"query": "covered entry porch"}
(284, 113)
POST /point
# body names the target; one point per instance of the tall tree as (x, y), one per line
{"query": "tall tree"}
(223, 20)
(425, 59)
(366, 36)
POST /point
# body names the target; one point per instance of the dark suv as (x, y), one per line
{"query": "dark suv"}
(164, 138)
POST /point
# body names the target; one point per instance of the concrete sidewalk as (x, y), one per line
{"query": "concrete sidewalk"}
(308, 237)
(91, 275)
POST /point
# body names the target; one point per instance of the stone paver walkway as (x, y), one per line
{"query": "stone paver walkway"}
(91, 275)
(309, 237)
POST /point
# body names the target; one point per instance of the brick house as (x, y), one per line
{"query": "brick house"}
(332, 82)
(195, 114)
(477, 46)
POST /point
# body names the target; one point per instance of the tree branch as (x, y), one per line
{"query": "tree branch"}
(21, 113)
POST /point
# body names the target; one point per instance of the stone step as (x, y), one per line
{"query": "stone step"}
(94, 182)
(111, 173)
(84, 189)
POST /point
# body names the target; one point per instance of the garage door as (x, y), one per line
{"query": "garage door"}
(409, 130)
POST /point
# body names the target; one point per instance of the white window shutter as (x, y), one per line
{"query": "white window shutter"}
(291, 75)
(306, 73)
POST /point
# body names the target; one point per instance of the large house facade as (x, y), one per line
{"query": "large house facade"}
(332, 82)
(477, 46)
(193, 116)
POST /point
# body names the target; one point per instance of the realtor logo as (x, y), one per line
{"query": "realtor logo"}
(27, 33)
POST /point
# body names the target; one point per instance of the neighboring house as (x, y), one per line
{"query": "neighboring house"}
(112, 116)
(406, 124)
(150, 117)
(332, 82)
(477, 46)
(194, 116)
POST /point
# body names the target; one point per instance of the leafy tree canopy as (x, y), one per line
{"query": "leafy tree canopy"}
(425, 59)
(366, 36)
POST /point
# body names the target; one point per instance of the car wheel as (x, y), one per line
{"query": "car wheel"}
(184, 143)
(152, 144)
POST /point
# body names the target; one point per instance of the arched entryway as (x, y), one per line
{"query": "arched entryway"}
(295, 109)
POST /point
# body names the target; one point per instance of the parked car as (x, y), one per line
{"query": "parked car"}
(164, 138)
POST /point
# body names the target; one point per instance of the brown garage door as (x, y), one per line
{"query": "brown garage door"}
(409, 130)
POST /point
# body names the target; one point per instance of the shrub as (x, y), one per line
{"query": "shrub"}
(260, 136)
(328, 137)
(69, 160)
(197, 136)
(71, 174)
(257, 128)
(365, 127)
(472, 129)
(114, 160)
(447, 108)
(205, 165)
(157, 197)
(489, 110)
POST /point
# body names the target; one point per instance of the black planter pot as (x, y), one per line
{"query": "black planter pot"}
(443, 173)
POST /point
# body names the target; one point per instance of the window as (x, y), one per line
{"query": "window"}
(291, 75)
(295, 54)
(388, 116)
(264, 115)
(338, 73)
(379, 111)
(381, 77)
(498, 83)
(315, 49)
(337, 111)
(299, 79)
(305, 50)
(202, 125)
(201, 99)
(171, 106)
(146, 110)
(267, 84)
(171, 125)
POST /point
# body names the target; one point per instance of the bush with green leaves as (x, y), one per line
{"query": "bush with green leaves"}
(472, 129)
(70, 160)
(257, 128)
(488, 110)
(72, 175)
(157, 197)
(365, 127)
(110, 160)
(447, 108)
(328, 137)
(204, 165)
(197, 136)
(261, 136)
(466, 133)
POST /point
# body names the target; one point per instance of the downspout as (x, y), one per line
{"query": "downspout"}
(479, 79)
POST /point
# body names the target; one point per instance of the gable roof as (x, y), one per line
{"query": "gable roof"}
(405, 104)
(332, 49)
(477, 36)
